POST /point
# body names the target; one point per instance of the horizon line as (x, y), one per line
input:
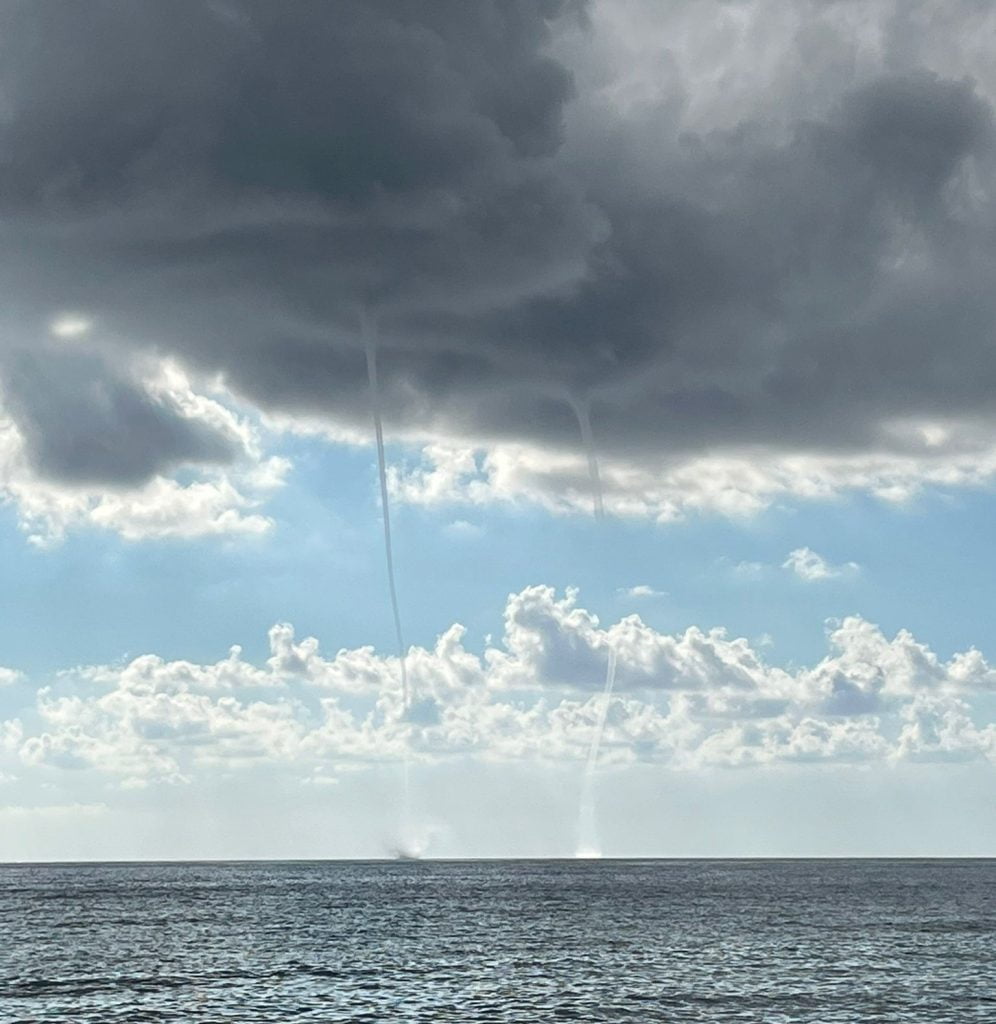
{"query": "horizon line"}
(498, 859)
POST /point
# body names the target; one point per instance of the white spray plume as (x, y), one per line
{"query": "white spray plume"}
(588, 844)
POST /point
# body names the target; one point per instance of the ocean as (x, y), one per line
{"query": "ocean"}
(526, 941)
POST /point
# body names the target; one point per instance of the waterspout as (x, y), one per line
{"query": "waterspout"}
(588, 844)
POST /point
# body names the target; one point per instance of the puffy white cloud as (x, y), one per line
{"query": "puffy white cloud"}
(9, 676)
(790, 739)
(640, 591)
(462, 530)
(691, 699)
(867, 671)
(733, 481)
(814, 568)
(11, 735)
(940, 728)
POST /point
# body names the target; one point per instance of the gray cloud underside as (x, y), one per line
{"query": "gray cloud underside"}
(84, 423)
(229, 182)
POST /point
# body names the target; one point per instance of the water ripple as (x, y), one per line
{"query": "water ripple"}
(834, 942)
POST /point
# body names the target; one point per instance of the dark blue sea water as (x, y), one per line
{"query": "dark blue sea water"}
(771, 941)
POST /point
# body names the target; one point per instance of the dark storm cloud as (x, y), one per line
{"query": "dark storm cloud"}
(381, 152)
(795, 293)
(84, 424)
(230, 181)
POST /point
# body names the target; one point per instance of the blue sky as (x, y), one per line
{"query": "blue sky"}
(723, 270)
(924, 565)
(96, 599)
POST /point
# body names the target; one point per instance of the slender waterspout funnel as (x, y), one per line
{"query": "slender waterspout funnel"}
(588, 844)
(583, 414)
(368, 326)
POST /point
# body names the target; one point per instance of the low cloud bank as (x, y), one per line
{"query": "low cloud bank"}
(688, 700)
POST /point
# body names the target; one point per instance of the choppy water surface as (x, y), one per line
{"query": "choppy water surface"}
(820, 941)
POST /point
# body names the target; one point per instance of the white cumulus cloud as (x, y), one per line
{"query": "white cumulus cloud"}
(688, 700)
(640, 591)
(9, 676)
(814, 568)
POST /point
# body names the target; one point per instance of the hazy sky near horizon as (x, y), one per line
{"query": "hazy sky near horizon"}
(753, 244)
